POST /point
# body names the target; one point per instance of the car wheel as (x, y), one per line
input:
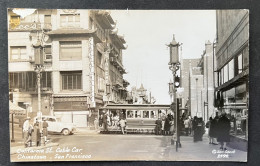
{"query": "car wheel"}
(65, 132)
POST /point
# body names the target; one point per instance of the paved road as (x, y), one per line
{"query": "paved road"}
(93, 146)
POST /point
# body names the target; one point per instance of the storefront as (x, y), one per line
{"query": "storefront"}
(72, 110)
(236, 107)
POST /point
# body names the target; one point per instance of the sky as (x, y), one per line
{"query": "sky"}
(148, 31)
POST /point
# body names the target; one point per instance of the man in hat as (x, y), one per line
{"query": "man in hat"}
(27, 131)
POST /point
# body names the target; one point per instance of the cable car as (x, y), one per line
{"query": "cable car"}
(139, 117)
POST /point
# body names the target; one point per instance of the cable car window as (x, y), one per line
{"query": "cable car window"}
(138, 114)
(145, 114)
(154, 114)
(130, 114)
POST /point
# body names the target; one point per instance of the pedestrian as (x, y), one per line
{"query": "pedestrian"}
(100, 120)
(96, 124)
(171, 118)
(195, 129)
(105, 122)
(27, 131)
(116, 121)
(110, 118)
(45, 126)
(167, 125)
(223, 133)
(163, 122)
(186, 126)
(122, 125)
(214, 130)
(37, 133)
(158, 127)
(190, 126)
(208, 125)
(201, 128)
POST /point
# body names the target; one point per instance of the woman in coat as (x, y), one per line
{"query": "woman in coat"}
(167, 125)
(195, 129)
(223, 131)
(158, 127)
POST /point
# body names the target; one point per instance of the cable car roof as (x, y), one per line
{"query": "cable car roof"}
(137, 106)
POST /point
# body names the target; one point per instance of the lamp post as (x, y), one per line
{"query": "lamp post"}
(197, 98)
(38, 54)
(174, 66)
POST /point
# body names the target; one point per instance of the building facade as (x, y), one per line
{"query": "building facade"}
(140, 96)
(82, 62)
(186, 66)
(232, 66)
(207, 98)
(196, 92)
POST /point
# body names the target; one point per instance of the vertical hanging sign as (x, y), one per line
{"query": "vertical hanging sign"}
(92, 71)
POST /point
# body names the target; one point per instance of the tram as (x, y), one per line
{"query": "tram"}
(139, 117)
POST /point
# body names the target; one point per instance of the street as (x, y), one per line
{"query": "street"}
(95, 146)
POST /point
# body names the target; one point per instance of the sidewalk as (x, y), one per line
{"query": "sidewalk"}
(203, 151)
(19, 141)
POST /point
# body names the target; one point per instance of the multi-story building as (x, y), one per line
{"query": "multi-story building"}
(232, 66)
(186, 66)
(140, 96)
(82, 62)
(195, 92)
(207, 98)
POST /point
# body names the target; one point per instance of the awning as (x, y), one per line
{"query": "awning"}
(15, 109)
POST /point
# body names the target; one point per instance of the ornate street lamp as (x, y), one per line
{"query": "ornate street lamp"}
(38, 55)
(174, 66)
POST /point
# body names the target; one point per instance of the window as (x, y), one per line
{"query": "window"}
(70, 50)
(145, 114)
(16, 80)
(71, 80)
(99, 60)
(245, 58)
(70, 20)
(154, 115)
(14, 21)
(27, 81)
(46, 80)
(18, 53)
(138, 114)
(47, 52)
(225, 73)
(130, 114)
(240, 63)
(47, 19)
(231, 70)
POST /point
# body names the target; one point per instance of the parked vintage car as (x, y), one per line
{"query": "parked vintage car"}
(55, 126)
